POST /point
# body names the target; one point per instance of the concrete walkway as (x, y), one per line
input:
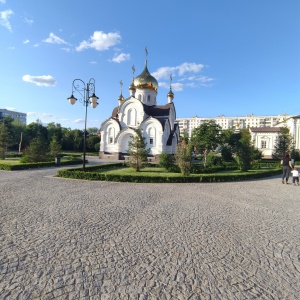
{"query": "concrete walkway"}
(74, 239)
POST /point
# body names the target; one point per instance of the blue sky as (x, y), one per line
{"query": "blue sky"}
(232, 58)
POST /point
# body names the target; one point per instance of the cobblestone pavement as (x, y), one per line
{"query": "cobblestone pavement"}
(72, 239)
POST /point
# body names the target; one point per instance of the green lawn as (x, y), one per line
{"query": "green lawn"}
(10, 161)
(161, 172)
(144, 172)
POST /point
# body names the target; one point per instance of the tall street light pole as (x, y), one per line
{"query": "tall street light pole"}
(87, 94)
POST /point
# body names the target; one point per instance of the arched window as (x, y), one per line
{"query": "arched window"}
(151, 136)
(111, 135)
(131, 120)
(148, 98)
(140, 97)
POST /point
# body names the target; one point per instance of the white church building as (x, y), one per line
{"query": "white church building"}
(140, 110)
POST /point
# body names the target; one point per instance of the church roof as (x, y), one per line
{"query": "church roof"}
(169, 141)
(157, 111)
(115, 112)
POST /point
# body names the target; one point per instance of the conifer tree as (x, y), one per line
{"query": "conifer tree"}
(283, 144)
(37, 151)
(4, 140)
(55, 147)
(137, 150)
(244, 150)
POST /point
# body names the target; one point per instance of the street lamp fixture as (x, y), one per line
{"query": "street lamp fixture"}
(87, 96)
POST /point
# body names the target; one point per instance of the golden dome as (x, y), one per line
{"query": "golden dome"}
(132, 86)
(170, 94)
(145, 80)
(121, 98)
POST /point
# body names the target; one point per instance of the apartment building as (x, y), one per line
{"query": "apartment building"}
(21, 117)
(234, 123)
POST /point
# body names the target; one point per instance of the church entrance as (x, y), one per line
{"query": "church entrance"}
(124, 142)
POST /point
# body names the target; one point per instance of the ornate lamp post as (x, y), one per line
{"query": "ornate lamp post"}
(87, 93)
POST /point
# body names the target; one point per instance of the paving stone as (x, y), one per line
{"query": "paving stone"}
(73, 239)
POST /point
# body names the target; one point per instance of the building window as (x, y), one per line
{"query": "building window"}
(148, 98)
(110, 135)
(263, 144)
(140, 97)
(151, 134)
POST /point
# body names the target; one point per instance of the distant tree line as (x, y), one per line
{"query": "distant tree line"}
(15, 136)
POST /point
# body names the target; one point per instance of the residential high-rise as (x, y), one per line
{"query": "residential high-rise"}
(21, 117)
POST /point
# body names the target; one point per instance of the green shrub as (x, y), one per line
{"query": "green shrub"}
(91, 174)
(166, 161)
(13, 154)
(25, 166)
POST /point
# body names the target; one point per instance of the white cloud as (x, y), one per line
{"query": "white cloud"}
(53, 39)
(66, 49)
(100, 41)
(11, 48)
(45, 80)
(179, 73)
(28, 21)
(40, 115)
(11, 108)
(2, 1)
(175, 86)
(79, 121)
(26, 42)
(121, 57)
(189, 67)
(36, 45)
(165, 72)
(202, 80)
(4, 18)
(93, 62)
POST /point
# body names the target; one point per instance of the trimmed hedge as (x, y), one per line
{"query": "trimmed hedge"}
(26, 166)
(90, 175)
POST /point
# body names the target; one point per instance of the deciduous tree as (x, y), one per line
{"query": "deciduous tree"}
(206, 137)
(184, 159)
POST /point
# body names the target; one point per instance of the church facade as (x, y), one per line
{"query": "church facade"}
(140, 110)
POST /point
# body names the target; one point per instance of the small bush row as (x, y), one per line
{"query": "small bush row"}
(90, 175)
(26, 166)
